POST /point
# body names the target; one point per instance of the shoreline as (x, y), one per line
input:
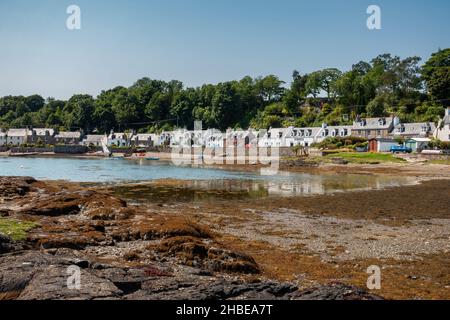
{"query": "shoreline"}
(312, 235)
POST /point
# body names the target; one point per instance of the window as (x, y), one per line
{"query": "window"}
(379, 132)
(280, 134)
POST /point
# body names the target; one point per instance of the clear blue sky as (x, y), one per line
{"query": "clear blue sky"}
(201, 41)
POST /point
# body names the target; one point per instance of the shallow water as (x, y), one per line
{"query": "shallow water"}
(217, 182)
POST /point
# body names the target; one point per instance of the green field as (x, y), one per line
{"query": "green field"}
(365, 157)
(16, 229)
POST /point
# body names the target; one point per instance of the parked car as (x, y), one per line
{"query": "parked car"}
(401, 149)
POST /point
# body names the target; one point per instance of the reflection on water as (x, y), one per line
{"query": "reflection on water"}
(165, 182)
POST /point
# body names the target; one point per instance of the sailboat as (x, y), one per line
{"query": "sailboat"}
(105, 148)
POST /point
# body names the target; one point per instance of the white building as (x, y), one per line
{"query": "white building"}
(213, 138)
(210, 138)
(274, 137)
(301, 136)
(119, 139)
(143, 140)
(181, 138)
(96, 140)
(414, 130)
(333, 132)
(443, 129)
(241, 137)
(42, 135)
(17, 137)
(68, 137)
(165, 138)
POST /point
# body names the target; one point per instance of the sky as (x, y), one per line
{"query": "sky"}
(201, 41)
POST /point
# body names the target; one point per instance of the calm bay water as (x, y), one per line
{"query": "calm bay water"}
(123, 171)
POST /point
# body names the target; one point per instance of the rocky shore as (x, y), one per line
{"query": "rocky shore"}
(124, 251)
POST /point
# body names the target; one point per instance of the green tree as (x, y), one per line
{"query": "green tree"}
(436, 73)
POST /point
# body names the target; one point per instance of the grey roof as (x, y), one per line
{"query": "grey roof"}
(94, 137)
(17, 132)
(373, 123)
(69, 135)
(414, 128)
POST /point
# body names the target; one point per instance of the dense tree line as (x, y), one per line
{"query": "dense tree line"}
(387, 84)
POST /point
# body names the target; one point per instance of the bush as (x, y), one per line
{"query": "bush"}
(438, 144)
(332, 143)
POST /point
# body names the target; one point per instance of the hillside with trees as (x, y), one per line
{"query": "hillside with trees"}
(385, 85)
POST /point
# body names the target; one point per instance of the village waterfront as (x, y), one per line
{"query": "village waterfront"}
(305, 227)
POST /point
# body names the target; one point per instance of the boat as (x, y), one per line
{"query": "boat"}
(152, 158)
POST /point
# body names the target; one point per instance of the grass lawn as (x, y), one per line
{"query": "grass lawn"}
(365, 157)
(15, 229)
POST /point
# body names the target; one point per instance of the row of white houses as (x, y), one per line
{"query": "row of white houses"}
(368, 128)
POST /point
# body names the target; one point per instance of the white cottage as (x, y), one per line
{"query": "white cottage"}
(301, 136)
(241, 137)
(327, 131)
(414, 130)
(274, 137)
(68, 137)
(17, 137)
(119, 139)
(143, 140)
(443, 130)
(95, 140)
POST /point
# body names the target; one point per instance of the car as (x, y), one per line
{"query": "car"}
(401, 149)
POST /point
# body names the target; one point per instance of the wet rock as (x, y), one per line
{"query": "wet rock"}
(160, 228)
(211, 289)
(5, 244)
(339, 160)
(52, 284)
(193, 252)
(53, 205)
(12, 187)
(334, 291)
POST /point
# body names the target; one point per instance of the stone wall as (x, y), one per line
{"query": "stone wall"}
(70, 149)
(30, 150)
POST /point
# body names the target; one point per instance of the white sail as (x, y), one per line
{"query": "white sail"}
(106, 151)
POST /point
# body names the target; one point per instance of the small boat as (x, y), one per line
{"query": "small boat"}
(152, 158)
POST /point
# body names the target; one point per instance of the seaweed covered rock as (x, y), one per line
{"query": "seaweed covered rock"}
(5, 244)
(11, 187)
(194, 252)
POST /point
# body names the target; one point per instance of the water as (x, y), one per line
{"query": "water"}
(215, 181)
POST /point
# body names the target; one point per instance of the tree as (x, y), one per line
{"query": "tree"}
(436, 73)
(378, 106)
(79, 112)
(35, 102)
(270, 88)
(322, 80)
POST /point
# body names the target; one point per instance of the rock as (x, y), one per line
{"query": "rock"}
(52, 284)
(339, 160)
(193, 252)
(334, 291)
(5, 244)
(12, 187)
